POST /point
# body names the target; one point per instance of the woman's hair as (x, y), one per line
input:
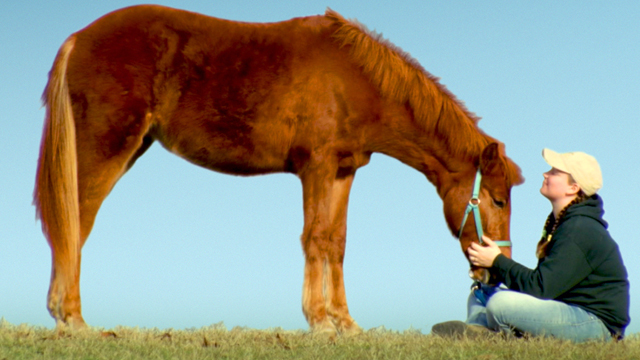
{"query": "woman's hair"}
(549, 228)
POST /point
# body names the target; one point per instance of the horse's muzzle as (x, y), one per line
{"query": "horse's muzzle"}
(483, 275)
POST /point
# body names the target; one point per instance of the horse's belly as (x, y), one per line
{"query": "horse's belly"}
(233, 146)
(236, 161)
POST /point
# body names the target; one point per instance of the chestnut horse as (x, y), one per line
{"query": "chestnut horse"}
(313, 96)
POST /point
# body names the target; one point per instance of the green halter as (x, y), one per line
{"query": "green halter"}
(474, 205)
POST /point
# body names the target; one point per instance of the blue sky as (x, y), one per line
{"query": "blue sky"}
(177, 246)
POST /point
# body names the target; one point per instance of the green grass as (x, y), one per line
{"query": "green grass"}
(216, 342)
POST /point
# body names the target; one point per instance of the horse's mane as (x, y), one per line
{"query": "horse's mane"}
(403, 79)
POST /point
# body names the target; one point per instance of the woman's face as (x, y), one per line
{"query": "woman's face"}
(556, 184)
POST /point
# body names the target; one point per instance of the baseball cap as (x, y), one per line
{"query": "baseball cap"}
(583, 168)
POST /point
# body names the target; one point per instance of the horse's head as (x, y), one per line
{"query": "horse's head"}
(496, 175)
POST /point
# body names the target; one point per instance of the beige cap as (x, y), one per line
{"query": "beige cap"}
(584, 168)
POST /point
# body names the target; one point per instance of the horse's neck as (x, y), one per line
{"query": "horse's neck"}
(404, 140)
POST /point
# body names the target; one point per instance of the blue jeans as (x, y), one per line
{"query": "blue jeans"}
(511, 311)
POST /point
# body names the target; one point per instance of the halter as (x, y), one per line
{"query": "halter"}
(474, 205)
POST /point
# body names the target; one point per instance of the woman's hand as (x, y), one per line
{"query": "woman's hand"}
(481, 255)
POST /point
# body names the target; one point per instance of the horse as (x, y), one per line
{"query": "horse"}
(312, 96)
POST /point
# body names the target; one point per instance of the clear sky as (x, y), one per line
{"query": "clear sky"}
(177, 246)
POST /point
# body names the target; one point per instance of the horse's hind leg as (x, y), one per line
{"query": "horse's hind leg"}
(97, 175)
(101, 161)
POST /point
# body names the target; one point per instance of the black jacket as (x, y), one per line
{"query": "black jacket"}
(583, 268)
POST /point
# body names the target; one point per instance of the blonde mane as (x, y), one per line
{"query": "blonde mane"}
(402, 78)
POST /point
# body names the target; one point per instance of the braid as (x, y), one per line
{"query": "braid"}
(547, 233)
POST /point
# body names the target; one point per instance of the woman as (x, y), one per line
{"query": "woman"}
(579, 290)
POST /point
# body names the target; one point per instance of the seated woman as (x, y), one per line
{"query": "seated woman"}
(579, 290)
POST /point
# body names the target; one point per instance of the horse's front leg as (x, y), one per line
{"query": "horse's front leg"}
(335, 295)
(316, 187)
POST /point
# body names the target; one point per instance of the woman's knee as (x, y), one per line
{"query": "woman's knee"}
(504, 302)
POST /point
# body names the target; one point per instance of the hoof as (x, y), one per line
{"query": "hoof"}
(352, 330)
(71, 324)
(324, 330)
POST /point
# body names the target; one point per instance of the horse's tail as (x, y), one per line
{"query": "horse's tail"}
(56, 189)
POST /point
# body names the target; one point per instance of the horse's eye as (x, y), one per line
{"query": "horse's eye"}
(499, 203)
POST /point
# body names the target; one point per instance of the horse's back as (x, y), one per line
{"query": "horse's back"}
(229, 96)
(136, 44)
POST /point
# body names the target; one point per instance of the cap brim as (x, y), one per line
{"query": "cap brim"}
(554, 159)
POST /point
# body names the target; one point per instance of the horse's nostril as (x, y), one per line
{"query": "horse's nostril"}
(481, 274)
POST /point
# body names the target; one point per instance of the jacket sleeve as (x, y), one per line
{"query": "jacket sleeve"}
(564, 267)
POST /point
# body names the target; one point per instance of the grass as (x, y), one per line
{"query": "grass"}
(19, 342)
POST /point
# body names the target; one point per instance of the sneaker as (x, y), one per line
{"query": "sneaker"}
(479, 332)
(458, 329)
(455, 329)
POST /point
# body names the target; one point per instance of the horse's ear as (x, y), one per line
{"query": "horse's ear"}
(494, 162)
(491, 160)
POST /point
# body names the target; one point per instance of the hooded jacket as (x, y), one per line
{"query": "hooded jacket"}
(583, 268)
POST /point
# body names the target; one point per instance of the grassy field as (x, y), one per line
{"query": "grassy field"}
(216, 342)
